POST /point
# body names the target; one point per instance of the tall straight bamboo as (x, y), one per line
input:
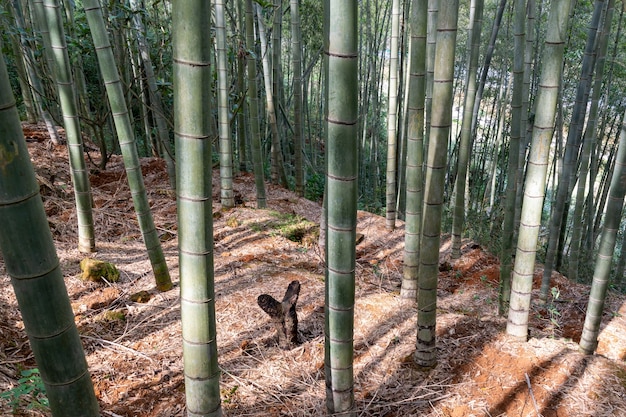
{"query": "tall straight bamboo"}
(277, 168)
(415, 151)
(226, 146)
(156, 100)
(475, 26)
(431, 40)
(392, 119)
(296, 51)
(31, 262)
(588, 144)
(341, 46)
(572, 147)
(504, 292)
(602, 269)
(31, 76)
(441, 121)
(488, 57)
(534, 190)
(253, 106)
(67, 97)
(128, 146)
(191, 32)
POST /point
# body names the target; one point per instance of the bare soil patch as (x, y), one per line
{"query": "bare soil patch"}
(134, 351)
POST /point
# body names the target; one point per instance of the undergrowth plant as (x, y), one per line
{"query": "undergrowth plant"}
(29, 390)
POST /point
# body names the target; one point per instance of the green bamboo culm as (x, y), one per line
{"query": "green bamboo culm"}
(191, 30)
(31, 262)
(67, 97)
(226, 146)
(253, 106)
(508, 225)
(534, 186)
(441, 121)
(128, 146)
(341, 185)
(602, 269)
(415, 151)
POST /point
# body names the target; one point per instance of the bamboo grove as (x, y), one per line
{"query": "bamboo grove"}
(499, 121)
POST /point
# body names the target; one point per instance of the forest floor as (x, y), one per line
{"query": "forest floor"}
(134, 347)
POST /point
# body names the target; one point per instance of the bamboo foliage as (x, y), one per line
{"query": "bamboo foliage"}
(192, 83)
(31, 262)
(67, 97)
(127, 143)
(441, 121)
(340, 46)
(534, 190)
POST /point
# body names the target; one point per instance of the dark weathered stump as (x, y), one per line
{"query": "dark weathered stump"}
(283, 314)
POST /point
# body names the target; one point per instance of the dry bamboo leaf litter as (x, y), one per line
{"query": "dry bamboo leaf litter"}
(134, 349)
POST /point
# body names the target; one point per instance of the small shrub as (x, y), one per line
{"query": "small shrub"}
(30, 390)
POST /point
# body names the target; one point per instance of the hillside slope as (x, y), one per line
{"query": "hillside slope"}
(134, 348)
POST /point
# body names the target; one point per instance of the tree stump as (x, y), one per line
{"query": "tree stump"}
(283, 314)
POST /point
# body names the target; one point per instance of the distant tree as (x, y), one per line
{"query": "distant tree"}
(192, 44)
(253, 109)
(392, 118)
(156, 100)
(296, 46)
(226, 147)
(589, 141)
(278, 174)
(30, 259)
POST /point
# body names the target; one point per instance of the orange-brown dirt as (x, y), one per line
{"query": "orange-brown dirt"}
(133, 345)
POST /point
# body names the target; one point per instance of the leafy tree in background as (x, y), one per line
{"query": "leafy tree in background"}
(31, 262)
(192, 82)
